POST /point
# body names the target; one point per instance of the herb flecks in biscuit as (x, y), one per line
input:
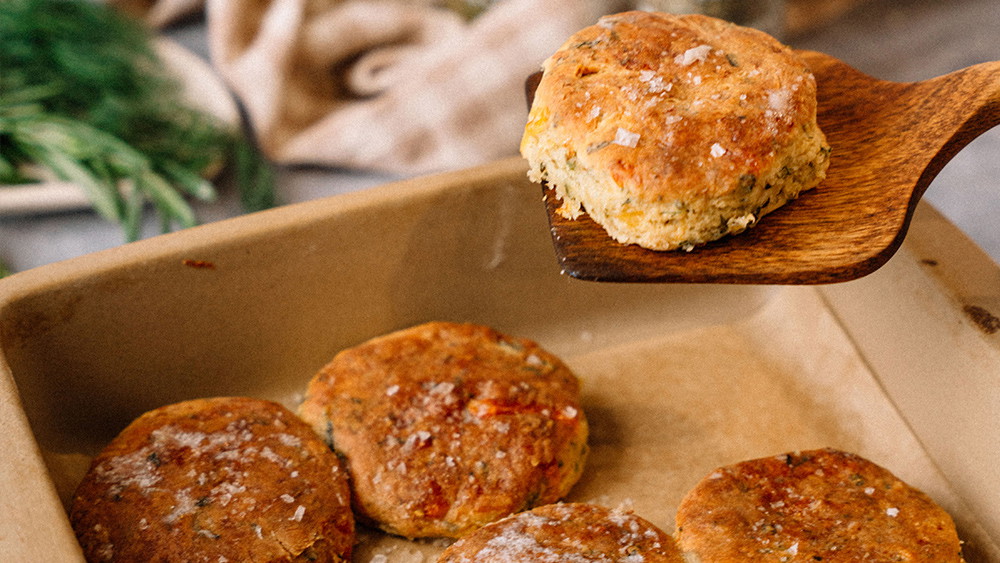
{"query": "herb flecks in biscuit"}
(673, 131)
(445, 427)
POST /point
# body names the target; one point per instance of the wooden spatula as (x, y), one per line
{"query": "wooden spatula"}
(889, 141)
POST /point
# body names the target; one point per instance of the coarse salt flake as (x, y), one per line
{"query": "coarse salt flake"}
(892, 512)
(779, 100)
(626, 138)
(442, 388)
(299, 513)
(693, 55)
(717, 150)
(793, 550)
(290, 440)
(654, 82)
(392, 390)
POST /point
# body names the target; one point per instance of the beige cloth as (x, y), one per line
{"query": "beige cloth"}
(387, 85)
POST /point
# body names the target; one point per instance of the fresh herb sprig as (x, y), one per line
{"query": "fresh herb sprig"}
(468, 9)
(83, 95)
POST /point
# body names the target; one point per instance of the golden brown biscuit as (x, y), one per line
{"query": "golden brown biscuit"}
(222, 479)
(557, 533)
(821, 505)
(672, 131)
(446, 427)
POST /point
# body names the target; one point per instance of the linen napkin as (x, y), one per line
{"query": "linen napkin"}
(394, 86)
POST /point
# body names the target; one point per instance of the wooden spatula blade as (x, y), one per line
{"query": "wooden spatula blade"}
(759, 256)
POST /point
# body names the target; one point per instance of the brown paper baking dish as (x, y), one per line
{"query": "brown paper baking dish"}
(902, 366)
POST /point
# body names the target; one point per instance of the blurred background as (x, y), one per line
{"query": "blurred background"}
(315, 98)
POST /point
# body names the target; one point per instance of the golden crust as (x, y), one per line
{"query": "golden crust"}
(566, 532)
(671, 131)
(445, 427)
(212, 480)
(820, 505)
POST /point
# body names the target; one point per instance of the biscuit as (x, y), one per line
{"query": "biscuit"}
(445, 427)
(221, 479)
(558, 533)
(820, 505)
(673, 131)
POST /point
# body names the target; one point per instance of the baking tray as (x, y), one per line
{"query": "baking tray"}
(901, 366)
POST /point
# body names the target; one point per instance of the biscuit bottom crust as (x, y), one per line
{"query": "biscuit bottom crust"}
(673, 131)
(820, 505)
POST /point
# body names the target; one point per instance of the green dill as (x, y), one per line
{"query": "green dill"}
(328, 434)
(760, 208)
(588, 44)
(84, 96)
(531, 500)
(597, 146)
(468, 9)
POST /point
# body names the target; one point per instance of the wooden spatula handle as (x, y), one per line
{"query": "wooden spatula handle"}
(970, 100)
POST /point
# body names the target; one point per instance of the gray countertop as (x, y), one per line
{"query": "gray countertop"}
(901, 40)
